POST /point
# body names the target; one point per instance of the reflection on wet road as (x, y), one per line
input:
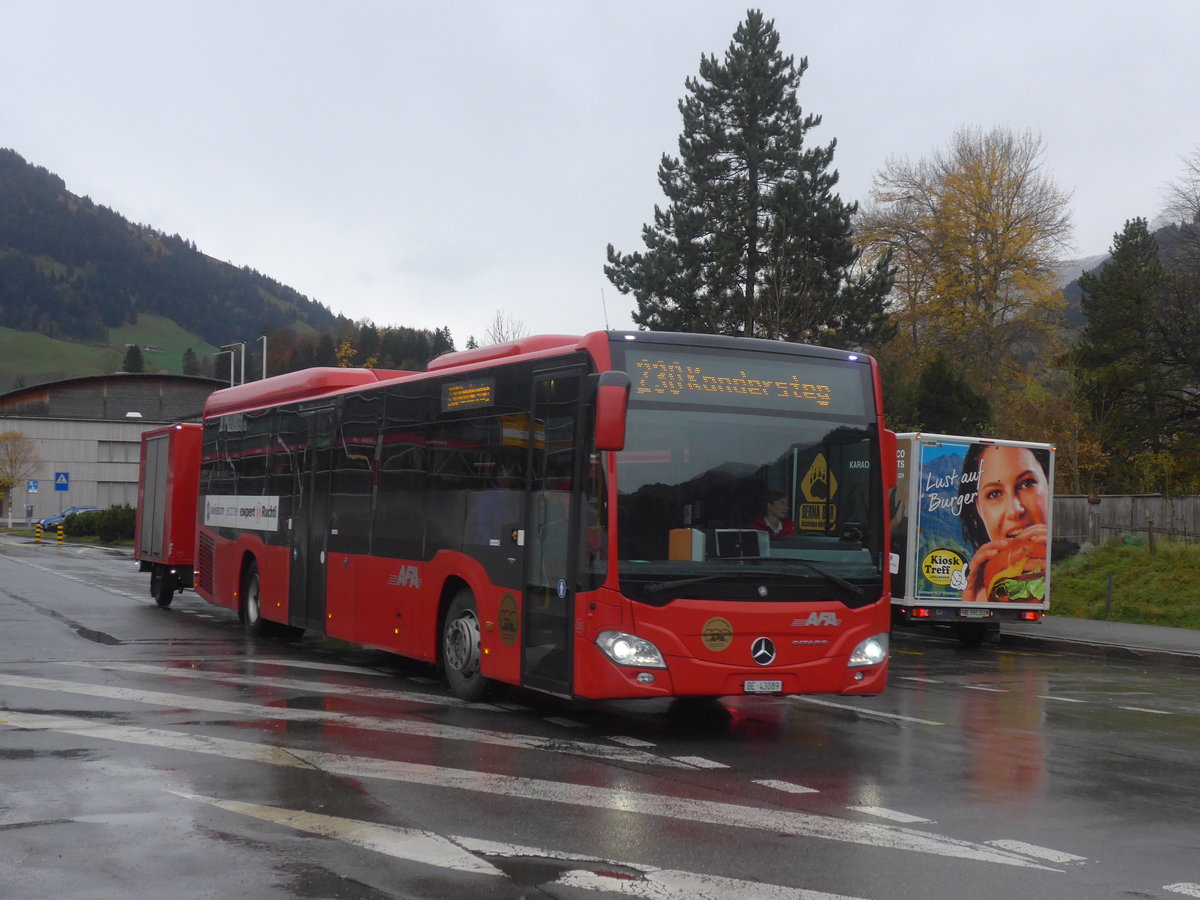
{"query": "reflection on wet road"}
(174, 753)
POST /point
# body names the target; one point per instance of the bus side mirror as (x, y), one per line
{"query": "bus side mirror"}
(887, 454)
(612, 401)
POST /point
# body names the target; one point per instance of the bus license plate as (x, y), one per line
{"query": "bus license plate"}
(763, 687)
(974, 613)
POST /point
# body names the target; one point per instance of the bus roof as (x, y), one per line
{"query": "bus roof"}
(519, 347)
(305, 384)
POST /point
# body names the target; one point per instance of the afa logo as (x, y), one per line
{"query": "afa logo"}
(407, 577)
(818, 618)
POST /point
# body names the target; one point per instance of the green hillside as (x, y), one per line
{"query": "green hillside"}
(31, 358)
(79, 283)
(70, 268)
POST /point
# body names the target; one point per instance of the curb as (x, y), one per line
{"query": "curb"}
(1117, 652)
(1027, 637)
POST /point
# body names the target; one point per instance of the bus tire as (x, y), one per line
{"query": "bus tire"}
(251, 605)
(162, 586)
(461, 654)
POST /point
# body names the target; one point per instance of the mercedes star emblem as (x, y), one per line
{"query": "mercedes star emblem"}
(763, 651)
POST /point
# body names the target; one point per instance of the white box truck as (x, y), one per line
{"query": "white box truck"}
(971, 532)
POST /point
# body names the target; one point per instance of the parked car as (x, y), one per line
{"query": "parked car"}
(51, 522)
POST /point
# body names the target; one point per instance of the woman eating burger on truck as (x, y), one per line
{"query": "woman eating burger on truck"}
(1006, 523)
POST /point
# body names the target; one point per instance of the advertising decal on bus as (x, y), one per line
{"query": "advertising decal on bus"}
(250, 513)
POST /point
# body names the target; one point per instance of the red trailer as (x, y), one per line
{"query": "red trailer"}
(168, 490)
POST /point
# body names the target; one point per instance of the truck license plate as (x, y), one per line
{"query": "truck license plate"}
(763, 687)
(974, 613)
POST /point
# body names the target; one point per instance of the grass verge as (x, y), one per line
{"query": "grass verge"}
(1157, 587)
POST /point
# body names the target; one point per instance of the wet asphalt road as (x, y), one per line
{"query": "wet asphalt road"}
(148, 752)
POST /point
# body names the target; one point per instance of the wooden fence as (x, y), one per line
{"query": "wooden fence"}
(1082, 519)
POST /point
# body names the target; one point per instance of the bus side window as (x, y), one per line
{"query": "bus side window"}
(400, 503)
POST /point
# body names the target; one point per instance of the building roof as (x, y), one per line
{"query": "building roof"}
(121, 396)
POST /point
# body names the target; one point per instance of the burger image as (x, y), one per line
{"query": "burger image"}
(1018, 572)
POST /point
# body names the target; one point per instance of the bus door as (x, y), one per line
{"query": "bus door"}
(551, 525)
(306, 596)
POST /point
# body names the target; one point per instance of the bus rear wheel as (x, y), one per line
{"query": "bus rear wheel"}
(461, 654)
(251, 607)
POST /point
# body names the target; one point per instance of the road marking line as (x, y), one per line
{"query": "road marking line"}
(462, 854)
(1187, 888)
(884, 813)
(1060, 699)
(365, 723)
(344, 690)
(699, 762)
(1154, 712)
(865, 712)
(671, 884)
(629, 741)
(319, 666)
(786, 786)
(621, 800)
(145, 600)
(980, 687)
(1055, 856)
(921, 679)
(392, 840)
(565, 723)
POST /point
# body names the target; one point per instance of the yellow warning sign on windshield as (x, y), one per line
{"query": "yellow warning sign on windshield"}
(818, 486)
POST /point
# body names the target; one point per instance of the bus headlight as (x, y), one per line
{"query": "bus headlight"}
(870, 652)
(629, 650)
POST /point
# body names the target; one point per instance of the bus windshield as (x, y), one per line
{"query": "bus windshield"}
(717, 501)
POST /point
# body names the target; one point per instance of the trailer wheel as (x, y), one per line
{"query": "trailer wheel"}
(162, 586)
(251, 606)
(972, 634)
(460, 649)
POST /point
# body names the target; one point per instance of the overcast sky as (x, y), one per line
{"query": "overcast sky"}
(426, 164)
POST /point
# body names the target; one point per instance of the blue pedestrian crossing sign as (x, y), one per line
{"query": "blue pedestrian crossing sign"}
(62, 481)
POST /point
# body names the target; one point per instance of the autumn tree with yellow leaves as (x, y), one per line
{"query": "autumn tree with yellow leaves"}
(973, 231)
(18, 462)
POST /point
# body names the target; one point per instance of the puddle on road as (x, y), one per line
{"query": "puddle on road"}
(88, 634)
(15, 754)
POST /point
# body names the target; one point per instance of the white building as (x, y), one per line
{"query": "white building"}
(87, 434)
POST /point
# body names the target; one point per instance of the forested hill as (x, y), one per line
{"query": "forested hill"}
(71, 269)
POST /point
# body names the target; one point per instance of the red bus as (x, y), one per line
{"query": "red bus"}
(577, 515)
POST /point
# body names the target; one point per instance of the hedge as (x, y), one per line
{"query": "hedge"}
(109, 525)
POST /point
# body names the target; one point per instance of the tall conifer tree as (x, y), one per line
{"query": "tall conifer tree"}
(754, 240)
(134, 361)
(1124, 374)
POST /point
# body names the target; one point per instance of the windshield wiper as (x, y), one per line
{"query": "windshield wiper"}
(684, 582)
(845, 585)
(828, 576)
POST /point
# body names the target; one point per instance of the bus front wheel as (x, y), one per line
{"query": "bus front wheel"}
(460, 649)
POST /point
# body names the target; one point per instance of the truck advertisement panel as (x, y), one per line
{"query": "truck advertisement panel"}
(972, 522)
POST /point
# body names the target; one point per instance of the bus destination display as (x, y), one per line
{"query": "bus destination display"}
(774, 382)
(468, 394)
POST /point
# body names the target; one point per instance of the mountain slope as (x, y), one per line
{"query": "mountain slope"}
(73, 271)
